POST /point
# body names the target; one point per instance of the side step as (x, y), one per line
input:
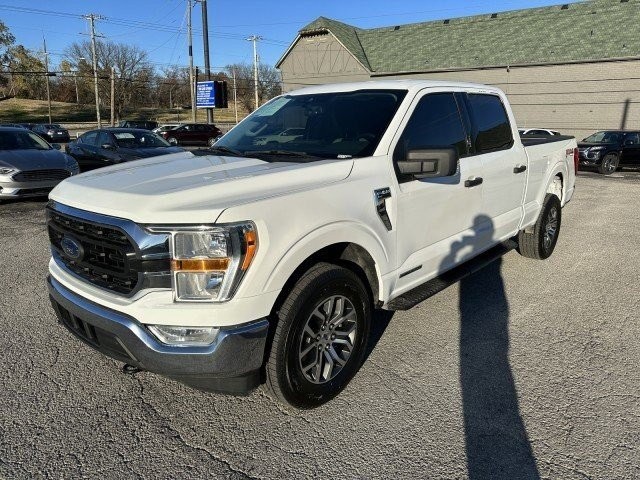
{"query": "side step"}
(428, 289)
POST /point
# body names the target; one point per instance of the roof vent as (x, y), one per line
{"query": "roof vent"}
(624, 1)
(446, 22)
(494, 15)
(564, 7)
(396, 28)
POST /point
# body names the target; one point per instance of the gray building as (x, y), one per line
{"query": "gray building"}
(573, 68)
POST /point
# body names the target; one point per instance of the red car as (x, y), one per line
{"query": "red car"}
(192, 134)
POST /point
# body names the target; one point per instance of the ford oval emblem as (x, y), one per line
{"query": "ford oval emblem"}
(72, 247)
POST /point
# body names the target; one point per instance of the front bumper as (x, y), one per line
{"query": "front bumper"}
(231, 364)
(14, 189)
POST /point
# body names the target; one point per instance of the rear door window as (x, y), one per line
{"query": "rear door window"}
(491, 127)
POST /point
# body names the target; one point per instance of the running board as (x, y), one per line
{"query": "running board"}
(428, 289)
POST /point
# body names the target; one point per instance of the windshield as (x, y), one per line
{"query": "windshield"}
(327, 125)
(140, 140)
(605, 137)
(52, 125)
(22, 141)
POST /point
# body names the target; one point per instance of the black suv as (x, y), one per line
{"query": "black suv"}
(610, 149)
(144, 124)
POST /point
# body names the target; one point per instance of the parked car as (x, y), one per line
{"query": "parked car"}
(537, 131)
(143, 124)
(29, 166)
(243, 262)
(283, 137)
(108, 146)
(166, 127)
(193, 134)
(610, 150)
(12, 125)
(52, 132)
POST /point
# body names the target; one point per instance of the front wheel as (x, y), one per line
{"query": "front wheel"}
(541, 242)
(321, 336)
(172, 140)
(609, 164)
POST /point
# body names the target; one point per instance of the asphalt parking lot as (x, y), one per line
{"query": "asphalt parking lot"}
(525, 370)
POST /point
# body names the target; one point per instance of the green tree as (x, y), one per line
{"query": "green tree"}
(27, 79)
(6, 40)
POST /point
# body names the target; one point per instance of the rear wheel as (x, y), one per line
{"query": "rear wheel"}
(320, 338)
(541, 241)
(609, 164)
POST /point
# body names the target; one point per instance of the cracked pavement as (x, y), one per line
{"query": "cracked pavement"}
(531, 373)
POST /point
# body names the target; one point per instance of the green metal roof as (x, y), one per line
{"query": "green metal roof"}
(585, 31)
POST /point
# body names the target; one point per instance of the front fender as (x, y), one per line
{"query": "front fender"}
(329, 234)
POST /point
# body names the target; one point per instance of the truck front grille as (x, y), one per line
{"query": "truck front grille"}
(105, 252)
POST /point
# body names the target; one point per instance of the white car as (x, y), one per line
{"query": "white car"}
(537, 131)
(242, 263)
(165, 128)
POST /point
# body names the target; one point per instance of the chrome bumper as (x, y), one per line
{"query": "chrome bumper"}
(231, 364)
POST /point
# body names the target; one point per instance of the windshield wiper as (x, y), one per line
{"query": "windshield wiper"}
(222, 149)
(283, 153)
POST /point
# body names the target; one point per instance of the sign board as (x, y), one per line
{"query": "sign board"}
(206, 94)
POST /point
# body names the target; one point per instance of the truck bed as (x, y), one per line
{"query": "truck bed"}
(528, 140)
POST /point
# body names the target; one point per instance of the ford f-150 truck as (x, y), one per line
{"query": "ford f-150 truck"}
(255, 262)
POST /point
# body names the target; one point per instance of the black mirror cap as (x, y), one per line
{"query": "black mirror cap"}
(430, 163)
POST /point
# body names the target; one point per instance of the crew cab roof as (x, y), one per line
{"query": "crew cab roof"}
(411, 85)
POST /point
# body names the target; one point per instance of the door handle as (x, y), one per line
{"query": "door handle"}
(473, 181)
(519, 168)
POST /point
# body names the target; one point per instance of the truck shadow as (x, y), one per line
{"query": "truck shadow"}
(497, 444)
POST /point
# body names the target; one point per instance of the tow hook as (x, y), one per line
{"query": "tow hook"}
(130, 369)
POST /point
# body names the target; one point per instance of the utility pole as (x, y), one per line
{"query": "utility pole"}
(235, 96)
(205, 41)
(75, 80)
(191, 84)
(113, 96)
(254, 39)
(46, 66)
(92, 18)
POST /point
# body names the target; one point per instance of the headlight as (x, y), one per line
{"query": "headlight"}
(208, 263)
(596, 149)
(7, 171)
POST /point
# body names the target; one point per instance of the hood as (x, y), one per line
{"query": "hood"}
(595, 144)
(135, 153)
(33, 159)
(184, 188)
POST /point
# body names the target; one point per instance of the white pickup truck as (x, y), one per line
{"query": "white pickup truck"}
(262, 259)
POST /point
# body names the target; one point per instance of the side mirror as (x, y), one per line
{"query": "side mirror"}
(56, 146)
(108, 146)
(430, 163)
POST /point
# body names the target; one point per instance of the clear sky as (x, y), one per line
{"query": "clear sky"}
(159, 26)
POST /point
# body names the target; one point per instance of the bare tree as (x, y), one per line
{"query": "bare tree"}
(134, 75)
(28, 77)
(269, 83)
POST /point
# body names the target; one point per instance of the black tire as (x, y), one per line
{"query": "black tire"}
(211, 142)
(609, 164)
(285, 378)
(538, 244)
(173, 141)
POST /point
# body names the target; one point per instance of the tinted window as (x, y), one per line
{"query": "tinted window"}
(89, 138)
(435, 123)
(104, 137)
(632, 138)
(332, 125)
(491, 124)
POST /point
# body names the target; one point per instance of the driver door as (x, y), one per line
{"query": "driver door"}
(438, 218)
